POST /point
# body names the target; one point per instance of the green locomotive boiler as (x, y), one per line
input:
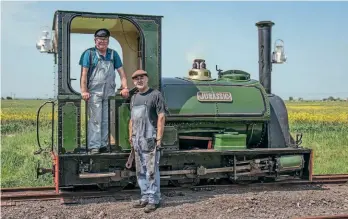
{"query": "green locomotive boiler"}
(229, 128)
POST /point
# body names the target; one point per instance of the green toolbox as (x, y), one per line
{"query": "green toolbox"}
(230, 141)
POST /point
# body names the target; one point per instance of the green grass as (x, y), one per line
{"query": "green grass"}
(18, 140)
(18, 162)
(330, 148)
(325, 130)
(18, 143)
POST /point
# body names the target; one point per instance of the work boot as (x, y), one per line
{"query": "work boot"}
(104, 150)
(151, 207)
(140, 204)
(94, 151)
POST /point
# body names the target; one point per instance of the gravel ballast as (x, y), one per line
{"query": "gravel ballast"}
(245, 202)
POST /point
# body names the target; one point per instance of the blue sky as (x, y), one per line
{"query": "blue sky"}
(315, 36)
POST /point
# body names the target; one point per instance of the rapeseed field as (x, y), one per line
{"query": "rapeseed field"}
(324, 126)
(318, 112)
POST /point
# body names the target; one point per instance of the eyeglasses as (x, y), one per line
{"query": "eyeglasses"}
(102, 38)
(140, 77)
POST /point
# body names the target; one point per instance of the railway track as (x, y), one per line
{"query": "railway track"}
(48, 193)
(10, 196)
(326, 217)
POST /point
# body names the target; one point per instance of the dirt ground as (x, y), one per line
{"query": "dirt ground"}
(247, 202)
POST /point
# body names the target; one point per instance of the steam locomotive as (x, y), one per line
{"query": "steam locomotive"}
(231, 128)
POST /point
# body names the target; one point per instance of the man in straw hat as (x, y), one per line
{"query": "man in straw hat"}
(146, 126)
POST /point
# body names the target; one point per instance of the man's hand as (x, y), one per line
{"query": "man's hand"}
(85, 95)
(130, 141)
(124, 93)
(158, 143)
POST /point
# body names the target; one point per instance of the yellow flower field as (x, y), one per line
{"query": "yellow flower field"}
(24, 116)
(324, 112)
(24, 110)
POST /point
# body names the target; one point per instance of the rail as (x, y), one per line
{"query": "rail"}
(325, 217)
(47, 193)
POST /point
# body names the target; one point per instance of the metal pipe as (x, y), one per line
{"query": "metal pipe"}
(265, 63)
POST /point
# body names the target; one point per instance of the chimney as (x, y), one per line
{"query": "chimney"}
(265, 61)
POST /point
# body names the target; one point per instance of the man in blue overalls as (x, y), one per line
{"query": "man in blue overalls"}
(146, 127)
(98, 65)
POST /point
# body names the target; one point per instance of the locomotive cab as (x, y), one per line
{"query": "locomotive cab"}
(140, 41)
(125, 31)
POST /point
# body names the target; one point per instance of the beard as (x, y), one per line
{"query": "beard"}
(140, 86)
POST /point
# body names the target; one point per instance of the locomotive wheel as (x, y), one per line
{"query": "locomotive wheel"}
(174, 183)
(267, 179)
(244, 182)
(103, 186)
(196, 181)
(241, 182)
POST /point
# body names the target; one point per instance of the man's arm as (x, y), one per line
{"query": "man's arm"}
(130, 132)
(84, 62)
(161, 113)
(130, 124)
(160, 127)
(122, 74)
(83, 81)
(119, 66)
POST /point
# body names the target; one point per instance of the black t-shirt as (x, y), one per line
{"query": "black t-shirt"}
(154, 101)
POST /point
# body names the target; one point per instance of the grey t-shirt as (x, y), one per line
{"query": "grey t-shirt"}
(155, 104)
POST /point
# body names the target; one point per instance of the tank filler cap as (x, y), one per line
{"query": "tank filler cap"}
(199, 71)
(235, 75)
